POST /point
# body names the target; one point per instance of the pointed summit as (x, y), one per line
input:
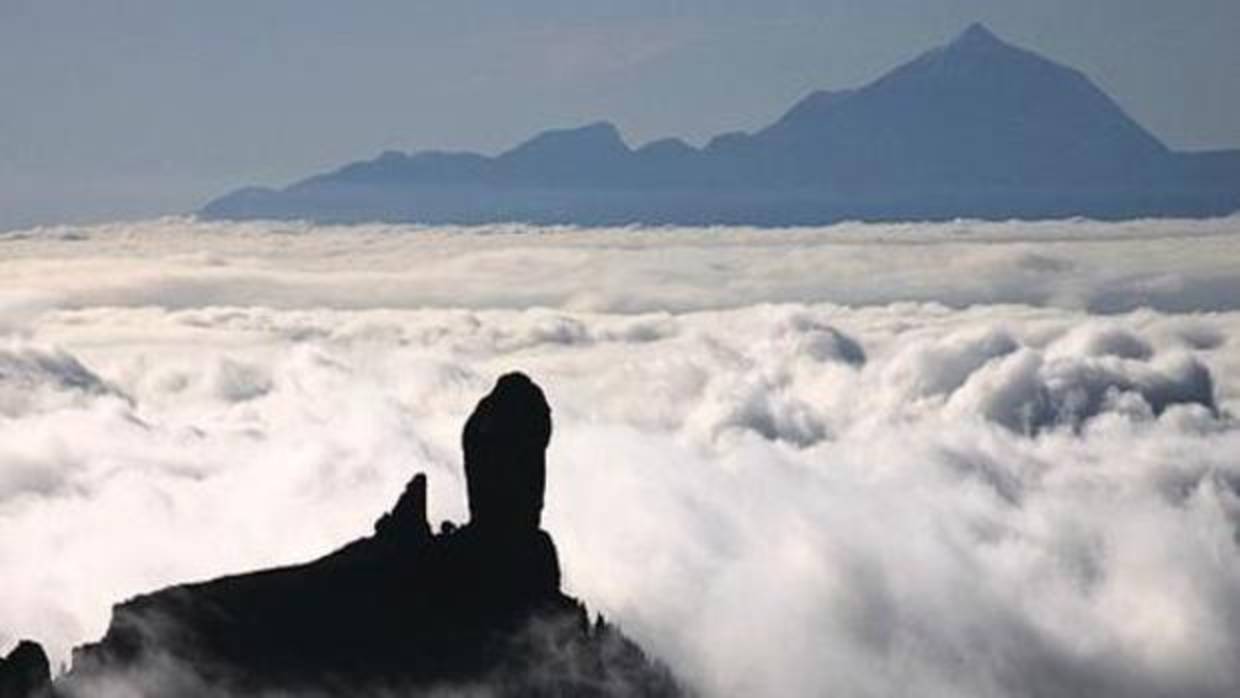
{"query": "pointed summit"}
(975, 113)
(976, 36)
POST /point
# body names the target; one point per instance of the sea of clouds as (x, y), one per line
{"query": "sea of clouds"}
(957, 459)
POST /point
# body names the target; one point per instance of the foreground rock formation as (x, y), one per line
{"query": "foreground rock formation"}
(25, 672)
(476, 609)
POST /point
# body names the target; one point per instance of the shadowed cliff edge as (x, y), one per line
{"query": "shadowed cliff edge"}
(476, 609)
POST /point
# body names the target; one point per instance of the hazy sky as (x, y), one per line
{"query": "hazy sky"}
(118, 108)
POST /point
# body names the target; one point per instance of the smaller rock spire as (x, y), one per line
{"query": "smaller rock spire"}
(407, 520)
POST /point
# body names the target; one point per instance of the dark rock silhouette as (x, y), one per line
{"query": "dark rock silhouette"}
(976, 128)
(25, 673)
(476, 608)
(505, 443)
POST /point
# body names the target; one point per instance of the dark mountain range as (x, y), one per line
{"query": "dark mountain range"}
(977, 128)
(475, 610)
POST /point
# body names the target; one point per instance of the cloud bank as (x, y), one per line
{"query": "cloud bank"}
(1167, 265)
(962, 459)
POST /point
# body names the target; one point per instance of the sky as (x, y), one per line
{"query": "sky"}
(132, 108)
(797, 462)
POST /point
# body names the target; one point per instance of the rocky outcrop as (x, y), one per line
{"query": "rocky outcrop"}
(476, 608)
(25, 673)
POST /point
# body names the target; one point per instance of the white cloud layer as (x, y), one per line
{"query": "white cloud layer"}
(174, 263)
(945, 460)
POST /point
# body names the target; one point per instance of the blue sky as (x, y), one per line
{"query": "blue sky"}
(132, 108)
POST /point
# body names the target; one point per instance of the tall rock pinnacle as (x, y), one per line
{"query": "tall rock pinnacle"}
(505, 443)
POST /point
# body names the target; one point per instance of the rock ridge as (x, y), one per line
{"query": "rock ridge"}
(475, 608)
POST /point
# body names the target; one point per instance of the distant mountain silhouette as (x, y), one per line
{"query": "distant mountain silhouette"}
(475, 610)
(977, 128)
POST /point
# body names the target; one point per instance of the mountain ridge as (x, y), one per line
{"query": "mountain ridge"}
(974, 128)
(474, 609)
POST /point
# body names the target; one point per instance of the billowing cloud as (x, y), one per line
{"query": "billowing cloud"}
(865, 460)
